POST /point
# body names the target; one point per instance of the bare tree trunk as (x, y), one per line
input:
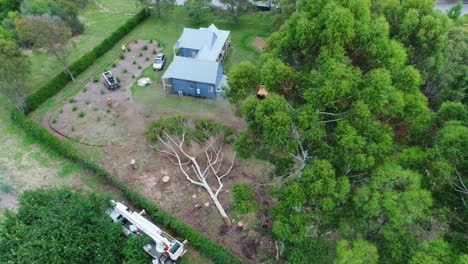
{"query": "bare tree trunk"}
(219, 206)
(63, 61)
(70, 73)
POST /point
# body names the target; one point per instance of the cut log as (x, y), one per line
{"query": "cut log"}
(165, 179)
(240, 226)
(133, 164)
(208, 207)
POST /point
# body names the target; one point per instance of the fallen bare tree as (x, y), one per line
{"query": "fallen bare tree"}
(199, 149)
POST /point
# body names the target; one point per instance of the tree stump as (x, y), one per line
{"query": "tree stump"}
(165, 179)
(240, 226)
(207, 206)
(194, 199)
(133, 164)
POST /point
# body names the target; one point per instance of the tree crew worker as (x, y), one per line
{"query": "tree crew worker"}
(109, 102)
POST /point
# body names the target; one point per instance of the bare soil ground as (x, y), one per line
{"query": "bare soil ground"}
(259, 43)
(119, 132)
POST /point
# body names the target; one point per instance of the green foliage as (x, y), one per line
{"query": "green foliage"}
(456, 10)
(132, 250)
(8, 6)
(74, 108)
(278, 77)
(198, 130)
(357, 252)
(197, 9)
(145, 47)
(452, 141)
(60, 81)
(244, 198)
(242, 80)
(58, 225)
(318, 188)
(6, 188)
(452, 111)
(5, 34)
(121, 56)
(244, 145)
(394, 195)
(81, 114)
(434, 252)
(65, 10)
(71, 100)
(14, 69)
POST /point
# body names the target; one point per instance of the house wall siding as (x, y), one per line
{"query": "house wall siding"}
(184, 86)
(219, 75)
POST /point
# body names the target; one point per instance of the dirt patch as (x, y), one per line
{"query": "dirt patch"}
(8, 201)
(259, 43)
(120, 131)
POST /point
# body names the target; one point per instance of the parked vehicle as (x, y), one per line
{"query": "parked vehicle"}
(159, 62)
(109, 81)
(163, 248)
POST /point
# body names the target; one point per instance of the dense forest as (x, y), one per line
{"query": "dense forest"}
(365, 123)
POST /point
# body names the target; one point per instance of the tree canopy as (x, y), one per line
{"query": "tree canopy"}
(349, 126)
(58, 225)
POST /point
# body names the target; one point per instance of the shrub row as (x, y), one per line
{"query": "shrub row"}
(59, 82)
(217, 253)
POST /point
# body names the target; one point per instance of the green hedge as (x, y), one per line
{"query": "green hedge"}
(217, 253)
(59, 82)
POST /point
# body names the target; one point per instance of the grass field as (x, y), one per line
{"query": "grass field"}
(24, 164)
(166, 30)
(98, 25)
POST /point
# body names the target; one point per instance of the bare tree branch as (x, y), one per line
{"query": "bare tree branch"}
(202, 167)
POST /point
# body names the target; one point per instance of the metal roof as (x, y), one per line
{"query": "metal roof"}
(190, 69)
(209, 41)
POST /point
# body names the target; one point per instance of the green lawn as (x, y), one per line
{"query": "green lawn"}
(167, 30)
(24, 164)
(98, 25)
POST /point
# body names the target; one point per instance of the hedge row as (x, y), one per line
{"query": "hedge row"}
(59, 82)
(217, 253)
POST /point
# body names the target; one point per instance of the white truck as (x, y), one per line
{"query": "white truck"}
(163, 248)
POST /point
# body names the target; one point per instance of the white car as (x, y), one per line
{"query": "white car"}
(159, 62)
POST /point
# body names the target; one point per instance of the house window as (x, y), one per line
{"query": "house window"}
(191, 86)
(210, 89)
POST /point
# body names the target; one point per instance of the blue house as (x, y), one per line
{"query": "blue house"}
(197, 68)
